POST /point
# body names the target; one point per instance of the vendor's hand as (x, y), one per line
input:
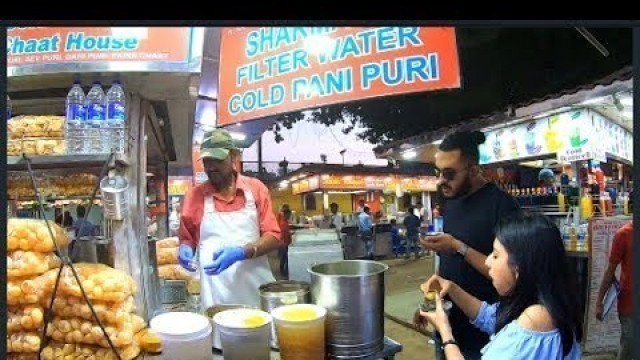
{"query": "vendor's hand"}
(225, 257)
(185, 257)
(438, 284)
(443, 243)
(599, 312)
(438, 318)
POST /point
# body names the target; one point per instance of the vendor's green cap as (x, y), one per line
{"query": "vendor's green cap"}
(216, 145)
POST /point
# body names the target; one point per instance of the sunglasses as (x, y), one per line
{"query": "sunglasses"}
(447, 174)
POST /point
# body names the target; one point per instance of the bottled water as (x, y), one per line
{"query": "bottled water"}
(96, 115)
(75, 120)
(116, 119)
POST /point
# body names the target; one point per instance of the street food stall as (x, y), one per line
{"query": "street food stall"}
(311, 189)
(388, 191)
(570, 157)
(94, 111)
(163, 88)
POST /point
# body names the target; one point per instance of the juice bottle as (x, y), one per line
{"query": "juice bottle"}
(586, 205)
(625, 202)
(561, 204)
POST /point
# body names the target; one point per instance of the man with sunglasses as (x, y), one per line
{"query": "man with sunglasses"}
(472, 207)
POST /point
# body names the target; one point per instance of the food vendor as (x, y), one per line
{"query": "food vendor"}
(230, 221)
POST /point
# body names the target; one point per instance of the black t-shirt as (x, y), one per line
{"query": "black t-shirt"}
(472, 220)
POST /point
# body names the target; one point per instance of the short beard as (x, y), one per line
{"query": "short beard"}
(464, 190)
(220, 182)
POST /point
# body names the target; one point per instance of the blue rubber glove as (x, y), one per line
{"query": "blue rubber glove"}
(185, 257)
(225, 257)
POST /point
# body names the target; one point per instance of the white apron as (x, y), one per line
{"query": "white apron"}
(239, 283)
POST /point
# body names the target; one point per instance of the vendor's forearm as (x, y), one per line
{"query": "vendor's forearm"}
(262, 246)
(465, 301)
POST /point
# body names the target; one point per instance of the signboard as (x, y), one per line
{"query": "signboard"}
(305, 185)
(273, 70)
(179, 186)
(574, 135)
(359, 182)
(601, 336)
(612, 137)
(419, 184)
(545, 136)
(37, 50)
(581, 153)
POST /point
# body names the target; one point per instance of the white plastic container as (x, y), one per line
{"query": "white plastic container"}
(185, 336)
(244, 333)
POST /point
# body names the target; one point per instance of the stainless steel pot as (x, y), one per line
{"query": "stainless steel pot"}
(352, 291)
(279, 293)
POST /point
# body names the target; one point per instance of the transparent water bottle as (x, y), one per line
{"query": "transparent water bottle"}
(96, 115)
(75, 120)
(116, 119)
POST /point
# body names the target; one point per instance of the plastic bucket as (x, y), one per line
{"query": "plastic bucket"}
(244, 334)
(301, 331)
(185, 335)
(212, 311)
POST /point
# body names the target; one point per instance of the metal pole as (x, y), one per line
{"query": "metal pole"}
(260, 155)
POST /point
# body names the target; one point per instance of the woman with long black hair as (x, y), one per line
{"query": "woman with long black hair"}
(537, 316)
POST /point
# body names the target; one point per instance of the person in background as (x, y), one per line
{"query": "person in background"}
(361, 205)
(535, 316)
(336, 217)
(83, 227)
(436, 211)
(57, 215)
(63, 219)
(365, 231)
(622, 255)
(412, 224)
(396, 239)
(419, 211)
(471, 207)
(284, 218)
(230, 221)
(67, 221)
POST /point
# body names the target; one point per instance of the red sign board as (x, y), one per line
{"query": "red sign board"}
(273, 70)
(57, 45)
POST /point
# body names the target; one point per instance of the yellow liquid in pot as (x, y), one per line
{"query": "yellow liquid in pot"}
(253, 321)
(299, 314)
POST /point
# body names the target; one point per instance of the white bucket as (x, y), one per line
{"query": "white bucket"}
(185, 335)
(241, 341)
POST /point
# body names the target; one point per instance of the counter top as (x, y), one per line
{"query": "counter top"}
(391, 348)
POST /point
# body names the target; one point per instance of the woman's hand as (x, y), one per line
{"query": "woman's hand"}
(436, 284)
(438, 318)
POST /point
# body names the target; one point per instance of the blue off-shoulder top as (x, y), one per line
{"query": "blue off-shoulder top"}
(514, 342)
